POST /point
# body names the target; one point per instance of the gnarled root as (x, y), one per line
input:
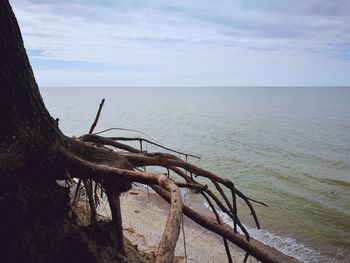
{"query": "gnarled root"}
(82, 168)
(94, 159)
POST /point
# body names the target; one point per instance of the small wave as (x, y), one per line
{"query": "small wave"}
(287, 245)
(337, 182)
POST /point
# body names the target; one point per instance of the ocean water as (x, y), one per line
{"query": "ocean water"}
(288, 147)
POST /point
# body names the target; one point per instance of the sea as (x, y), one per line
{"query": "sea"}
(288, 147)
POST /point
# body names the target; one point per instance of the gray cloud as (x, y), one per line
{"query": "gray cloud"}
(191, 38)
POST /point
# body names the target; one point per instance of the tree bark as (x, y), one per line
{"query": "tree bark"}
(30, 200)
(27, 130)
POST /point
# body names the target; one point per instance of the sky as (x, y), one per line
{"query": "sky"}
(187, 43)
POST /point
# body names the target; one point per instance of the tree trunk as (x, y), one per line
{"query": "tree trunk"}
(35, 218)
(28, 132)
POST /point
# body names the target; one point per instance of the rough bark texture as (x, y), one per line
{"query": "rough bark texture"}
(25, 124)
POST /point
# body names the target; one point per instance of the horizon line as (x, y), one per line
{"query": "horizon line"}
(250, 86)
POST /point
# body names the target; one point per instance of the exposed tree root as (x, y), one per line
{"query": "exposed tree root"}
(100, 172)
(138, 158)
(101, 164)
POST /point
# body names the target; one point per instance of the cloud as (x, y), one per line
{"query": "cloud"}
(190, 43)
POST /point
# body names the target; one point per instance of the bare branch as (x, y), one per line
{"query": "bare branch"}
(227, 248)
(124, 129)
(154, 143)
(105, 141)
(97, 117)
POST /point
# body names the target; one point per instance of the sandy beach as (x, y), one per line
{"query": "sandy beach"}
(144, 218)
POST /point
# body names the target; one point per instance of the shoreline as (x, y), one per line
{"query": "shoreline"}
(144, 218)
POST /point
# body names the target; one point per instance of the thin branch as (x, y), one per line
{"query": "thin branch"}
(213, 196)
(234, 203)
(213, 209)
(232, 210)
(97, 117)
(76, 194)
(105, 141)
(184, 237)
(125, 129)
(154, 143)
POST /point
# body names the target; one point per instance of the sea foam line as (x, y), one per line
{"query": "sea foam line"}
(287, 245)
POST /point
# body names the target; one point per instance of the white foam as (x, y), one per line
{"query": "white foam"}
(287, 245)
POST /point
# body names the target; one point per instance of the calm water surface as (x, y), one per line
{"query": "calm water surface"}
(288, 147)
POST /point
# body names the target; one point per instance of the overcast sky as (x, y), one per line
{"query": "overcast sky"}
(187, 43)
